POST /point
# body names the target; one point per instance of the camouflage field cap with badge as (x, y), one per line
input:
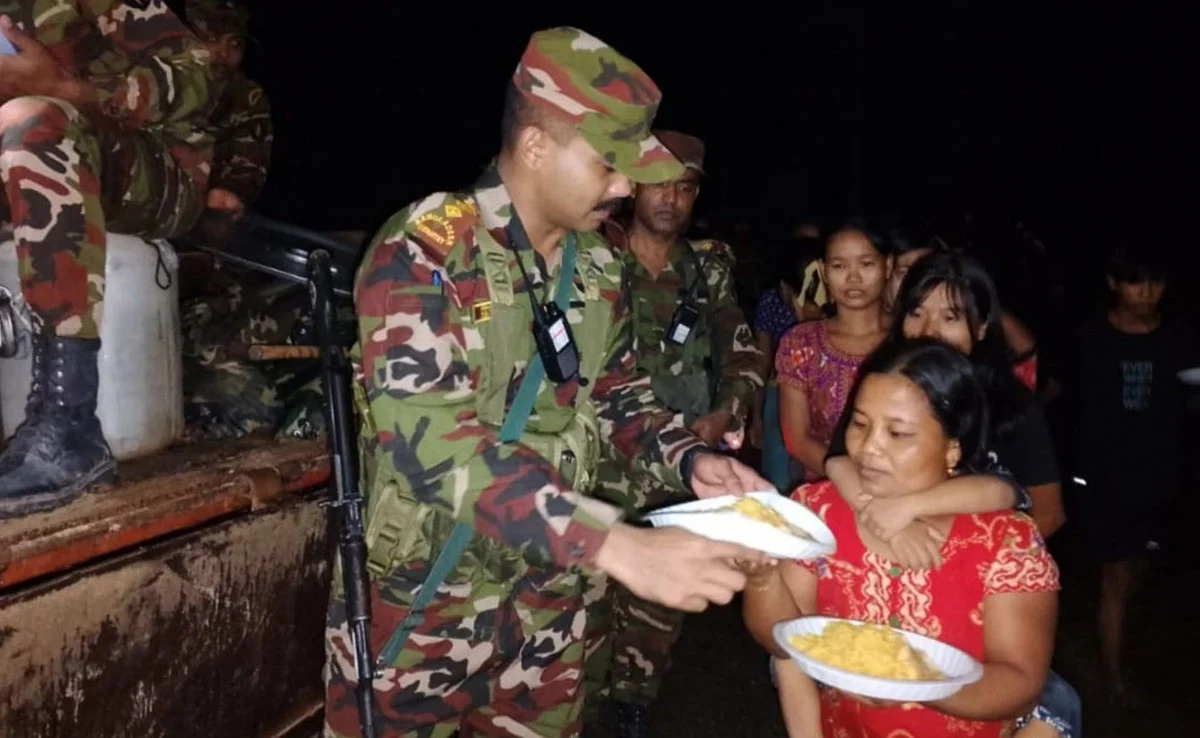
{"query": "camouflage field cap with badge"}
(687, 149)
(572, 75)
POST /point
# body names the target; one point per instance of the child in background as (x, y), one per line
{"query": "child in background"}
(1130, 402)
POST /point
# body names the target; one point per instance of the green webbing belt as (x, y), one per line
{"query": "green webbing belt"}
(514, 426)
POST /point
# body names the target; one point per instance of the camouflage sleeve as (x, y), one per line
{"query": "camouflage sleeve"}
(428, 436)
(742, 363)
(649, 438)
(242, 152)
(170, 78)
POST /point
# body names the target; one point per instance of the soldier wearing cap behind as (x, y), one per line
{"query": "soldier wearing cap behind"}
(464, 469)
(225, 393)
(693, 342)
(241, 121)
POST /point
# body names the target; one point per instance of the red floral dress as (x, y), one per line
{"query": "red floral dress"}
(992, 553)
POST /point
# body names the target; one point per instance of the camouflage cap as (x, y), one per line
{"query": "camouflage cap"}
(687, 149)
(218, 17)
(574, 76)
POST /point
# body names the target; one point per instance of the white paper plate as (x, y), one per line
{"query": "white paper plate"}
(707, 518)
(960, 669)
(1190, 376)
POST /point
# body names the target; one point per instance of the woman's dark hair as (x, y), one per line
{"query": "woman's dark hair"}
(860, 225)
(902, 240)
(948, 380)
(969, 285)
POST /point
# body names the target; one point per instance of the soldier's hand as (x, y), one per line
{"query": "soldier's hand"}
(225, 201)
(714, 475)
(33, 71)
(674, 567)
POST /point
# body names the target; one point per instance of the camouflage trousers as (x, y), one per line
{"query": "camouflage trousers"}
(66, 184)
(226, 395)
(494, 656)
(627, 645)
(629, 640)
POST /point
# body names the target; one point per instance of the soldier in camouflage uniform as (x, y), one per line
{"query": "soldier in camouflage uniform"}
(226, 395)
(241, 122)
(453, 470)
(102, 129)
(709, 369)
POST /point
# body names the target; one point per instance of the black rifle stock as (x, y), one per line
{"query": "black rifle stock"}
(335, 375)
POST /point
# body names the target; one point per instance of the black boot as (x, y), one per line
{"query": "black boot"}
(19, 444)
(62, 451)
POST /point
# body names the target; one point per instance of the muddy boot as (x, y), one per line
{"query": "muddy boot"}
(62, 451)
(18, 445)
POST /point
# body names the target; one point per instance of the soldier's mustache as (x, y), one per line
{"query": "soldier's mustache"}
(608, 207)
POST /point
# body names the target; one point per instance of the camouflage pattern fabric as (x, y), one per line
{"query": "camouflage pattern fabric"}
(514, 604)
(576, 77)
(226, 395)
(69, 179)
(244, 135)
(719, 367)
(217, 17)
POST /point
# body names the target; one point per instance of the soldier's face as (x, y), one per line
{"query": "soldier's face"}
(579, 189)
(227, 51)
(666, 208)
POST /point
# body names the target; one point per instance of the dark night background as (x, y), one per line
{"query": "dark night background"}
(1074, 118)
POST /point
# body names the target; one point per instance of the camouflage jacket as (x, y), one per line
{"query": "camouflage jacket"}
(720, 356)
(151, 72)
(244, 134)
(422, 298)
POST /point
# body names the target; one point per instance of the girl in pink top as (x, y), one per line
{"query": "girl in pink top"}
(817, 360)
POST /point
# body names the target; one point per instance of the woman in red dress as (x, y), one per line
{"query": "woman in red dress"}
(919, 417)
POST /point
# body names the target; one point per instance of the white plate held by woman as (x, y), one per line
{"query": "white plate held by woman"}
(714, 519)
(957, 666)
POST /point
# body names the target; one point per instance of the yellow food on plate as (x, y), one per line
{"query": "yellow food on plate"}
(867, 649)
(763, 513)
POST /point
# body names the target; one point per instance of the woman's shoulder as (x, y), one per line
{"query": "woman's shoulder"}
(805, 331)
(1015, 556)
(822, 497)
(798, 349)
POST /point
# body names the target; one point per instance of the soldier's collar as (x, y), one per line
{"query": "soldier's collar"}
(495, 204)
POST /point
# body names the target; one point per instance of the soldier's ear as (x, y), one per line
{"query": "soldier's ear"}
(534, 145)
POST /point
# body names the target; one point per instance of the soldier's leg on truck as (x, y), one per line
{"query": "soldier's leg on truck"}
(67, 183)
(494, 656)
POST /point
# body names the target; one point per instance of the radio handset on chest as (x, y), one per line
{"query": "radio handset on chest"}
(551, 330)
(683, 322)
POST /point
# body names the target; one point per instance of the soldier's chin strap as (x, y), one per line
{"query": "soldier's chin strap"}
(514, 426)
